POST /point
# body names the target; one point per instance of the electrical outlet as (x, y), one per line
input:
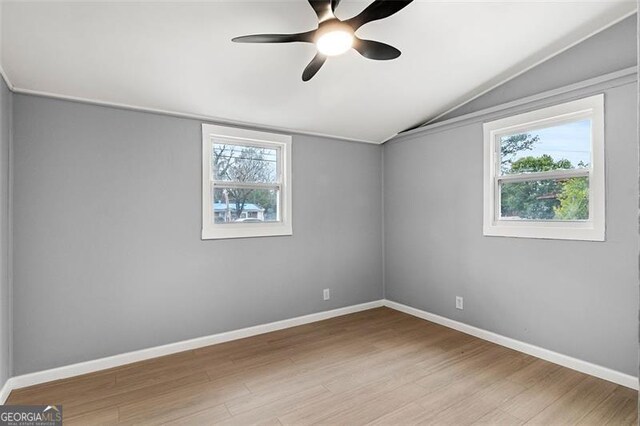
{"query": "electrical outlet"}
(459, 302)
(326, 294)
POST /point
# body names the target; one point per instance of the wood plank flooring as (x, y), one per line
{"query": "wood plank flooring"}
(374, 367)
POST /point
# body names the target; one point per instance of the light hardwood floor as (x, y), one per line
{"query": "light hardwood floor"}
(379, 366)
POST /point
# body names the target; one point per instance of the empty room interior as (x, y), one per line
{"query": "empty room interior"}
(319, 212)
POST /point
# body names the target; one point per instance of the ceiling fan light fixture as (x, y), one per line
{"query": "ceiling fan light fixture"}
(335, 42)
(335, 36)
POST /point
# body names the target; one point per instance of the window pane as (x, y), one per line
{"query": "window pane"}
(567, 146)
(245, 205)
(240, 163)
(548, 199)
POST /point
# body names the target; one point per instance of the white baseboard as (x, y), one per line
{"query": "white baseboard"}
(6, 390)
(551, 356)
(31, 379)
(141, 355)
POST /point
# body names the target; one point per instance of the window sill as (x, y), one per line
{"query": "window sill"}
(585, 231)
(246, 230)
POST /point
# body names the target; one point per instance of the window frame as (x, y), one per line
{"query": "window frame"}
(592, 229)
(239, 136)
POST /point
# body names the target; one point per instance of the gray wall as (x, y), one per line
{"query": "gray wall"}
(575, 297)
(5, 287)
(610, 50)
(108, 255)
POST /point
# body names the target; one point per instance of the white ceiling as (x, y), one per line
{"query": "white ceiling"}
(178, 57)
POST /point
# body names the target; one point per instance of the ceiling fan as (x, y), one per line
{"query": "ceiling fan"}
(335, 37)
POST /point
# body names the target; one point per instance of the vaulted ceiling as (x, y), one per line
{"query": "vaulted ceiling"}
(178, 57)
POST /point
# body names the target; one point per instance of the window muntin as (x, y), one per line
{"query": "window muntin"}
(246, 183)
(544, 173)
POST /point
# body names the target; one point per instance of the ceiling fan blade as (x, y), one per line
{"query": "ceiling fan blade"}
(375, 50)
(334, 5)
(276, 38)
(379, 9)
(323, 9)
(313, 67)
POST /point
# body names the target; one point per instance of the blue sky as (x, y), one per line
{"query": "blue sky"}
(571, 141)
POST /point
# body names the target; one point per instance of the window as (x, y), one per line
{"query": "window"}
(246, 183)
(544, 173)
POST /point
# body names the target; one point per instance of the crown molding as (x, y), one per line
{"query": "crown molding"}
(576, 90)
(201, 117)
(473, 96)
(6, 79)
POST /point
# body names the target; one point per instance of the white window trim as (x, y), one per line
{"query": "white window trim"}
(592, 229)
(210, 230)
